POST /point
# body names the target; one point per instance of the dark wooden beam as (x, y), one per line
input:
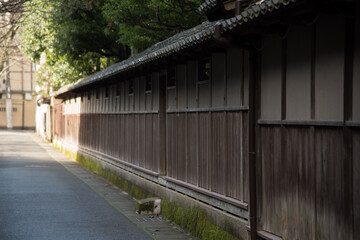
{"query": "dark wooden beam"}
(348, 107)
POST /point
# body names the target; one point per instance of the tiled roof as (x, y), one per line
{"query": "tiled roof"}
(169, 46)
(206, 6)
(181, 41)
(254, 11)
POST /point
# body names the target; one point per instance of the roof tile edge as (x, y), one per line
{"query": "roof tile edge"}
(203, 32)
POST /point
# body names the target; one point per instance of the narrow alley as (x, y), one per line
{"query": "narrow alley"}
(43, 198)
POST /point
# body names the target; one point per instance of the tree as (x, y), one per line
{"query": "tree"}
(73, 35)
(79, 37)
(142, 23)
(11, 13)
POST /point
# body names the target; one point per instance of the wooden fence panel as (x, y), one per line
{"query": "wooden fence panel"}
(142, 140)
(245, 147)
(192, 167)
(156, 142)
(149, 141)
(133, 138)
(204, 150)
(235, 155)
(330, 185)
(59, 121)
(356, 182)
(271, 183)
(136, 141)
(218, 144)
(123, 135)
(303, 183)
(300, 179)
(171, 145)
(180, 147)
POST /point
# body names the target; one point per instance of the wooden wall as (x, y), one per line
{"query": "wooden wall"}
(307, 129)
(116, 121)
(207, 125)
(305, 173)
(58, 121)
(123, 121)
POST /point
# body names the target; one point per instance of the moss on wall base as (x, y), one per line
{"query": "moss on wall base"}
(96, 168)
(196, 221)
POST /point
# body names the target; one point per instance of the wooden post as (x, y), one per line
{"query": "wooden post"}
(252, 143)
(162, 123)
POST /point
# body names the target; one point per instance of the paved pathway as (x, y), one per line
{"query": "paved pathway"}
(41, 198)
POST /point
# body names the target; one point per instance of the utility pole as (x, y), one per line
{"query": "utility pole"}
(8, 104)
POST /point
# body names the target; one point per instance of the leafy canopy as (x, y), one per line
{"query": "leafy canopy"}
(74, 38)
(142, 23)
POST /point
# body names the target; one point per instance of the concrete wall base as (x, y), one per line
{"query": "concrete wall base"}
(225, 221)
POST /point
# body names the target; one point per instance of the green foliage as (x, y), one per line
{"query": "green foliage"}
(142, 23)
(196, 221)
(71, 38)
(75, 38)
(96, 167)
(136, 192)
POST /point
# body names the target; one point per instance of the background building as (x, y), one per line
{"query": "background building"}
(17, 103)
(17, 85)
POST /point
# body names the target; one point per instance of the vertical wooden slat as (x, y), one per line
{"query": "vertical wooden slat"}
(122, 137)
(180, 147)
(270, 161)
(301, 194)
(348, 116)
(218, 144)
(245, 156)
(192, 146)
(162, 124)
(234, 150)
(136, 142)
(356, 183)
(142, 140)
(330, 205)
(203, 149)
(149, 143)
(156, 143)
(171, 151)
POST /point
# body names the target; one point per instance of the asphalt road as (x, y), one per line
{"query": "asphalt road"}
(40, 199)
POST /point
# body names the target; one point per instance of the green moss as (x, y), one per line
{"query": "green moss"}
(168, 210)
(179, 216)
(196, 221)
(229, 227)
(136, 192)
(95, 167)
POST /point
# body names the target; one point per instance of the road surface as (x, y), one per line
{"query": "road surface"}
(41, 199)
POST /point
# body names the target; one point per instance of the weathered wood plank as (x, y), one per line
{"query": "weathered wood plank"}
(180, 147)
(330, 205)
(218, 164)
(235, 158)
(270, 157)
(204, 149)
(192, 148)
(356, 183)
